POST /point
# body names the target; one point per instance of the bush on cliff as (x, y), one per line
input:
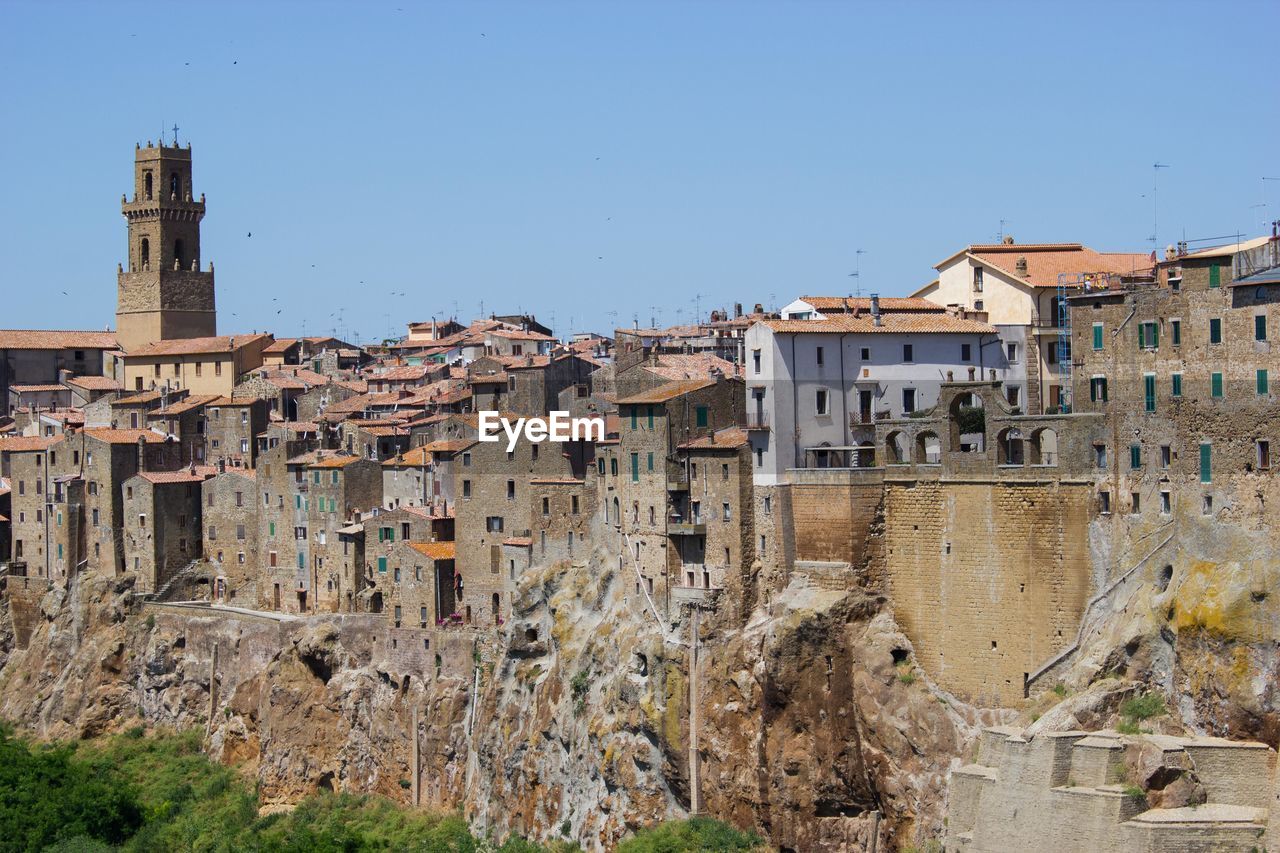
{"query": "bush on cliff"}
(686, 836)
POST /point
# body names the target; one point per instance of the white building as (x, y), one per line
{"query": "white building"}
(815, 387)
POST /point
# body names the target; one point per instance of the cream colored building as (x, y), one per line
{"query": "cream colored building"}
(199, 365)
(1017, 285)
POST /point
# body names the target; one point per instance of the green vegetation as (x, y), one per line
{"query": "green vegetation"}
(698, 833)
(135, 793)
(139, 792)
(1143, 707)
(906, 674)
(1060, 689)
(1128, 727)
(971, 419)
(1135, 792)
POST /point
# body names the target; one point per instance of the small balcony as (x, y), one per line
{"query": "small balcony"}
(678, 481)
(678, 525)
(757, 420)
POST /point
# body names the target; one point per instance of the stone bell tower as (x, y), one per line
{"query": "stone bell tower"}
(163, 294)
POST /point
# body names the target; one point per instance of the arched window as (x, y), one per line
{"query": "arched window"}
(928, 448)
(898, 451)
(175, 186)
(144, 253)
(178, 254)
(497, 606)
(1009, 447)
(146, 186)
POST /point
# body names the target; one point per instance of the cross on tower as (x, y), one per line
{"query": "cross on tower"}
(175, 135)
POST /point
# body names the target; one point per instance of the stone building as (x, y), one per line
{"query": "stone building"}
(231, 427)
(163, 294)
(230, 505)
(39, 357)
(185, 421)
(208, 365)
(717, 475)
(23, 464)
(162, 524)
(341, 488)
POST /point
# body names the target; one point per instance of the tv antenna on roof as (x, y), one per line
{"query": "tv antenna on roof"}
(856, 275)
(1155, 206)
(1000, 233)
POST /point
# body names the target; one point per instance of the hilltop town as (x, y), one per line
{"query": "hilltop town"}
(856, 570)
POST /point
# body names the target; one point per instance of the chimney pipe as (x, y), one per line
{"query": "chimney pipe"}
(875, 309)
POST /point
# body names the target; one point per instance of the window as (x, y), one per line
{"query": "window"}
(701, 416)
(466, 460)
(240, 532)
(724, 471)
(1264, 455)
(404, 530)
(1260, 327)
(382, 565)
(1207, 505)
(1176, 390)
(1104, 502)
(821, 401)
(820, 361)
(613, 466)
(1215, 385)
(1135, 502)
(977, 305)
(493, 524)
(635, 415)
(600, 466)
(1215, 275)
(635, 467)
(649, 414)
(966, 352)
(1149, 392)
(271, 529)
(217, 368)
(865, 355)
(1165, 503)
(1135, 456)
(908, 400)
(1166, 455)
(1262, 381)
(1097, 336)
(1206, 462)
(1100, 455)
(511, 490)
(768, 505)
(908, 353)
(573, 504)
(650, 466)
(755, 360)
(1148, 335)
(977, 279)
(1098, 389)
(213, 533)
(726, 512)
(1175, 328)
(1215, 330)
(466, 489)
(1011, 352)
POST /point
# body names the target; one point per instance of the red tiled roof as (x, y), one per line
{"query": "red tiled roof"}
(94, 383)
(688, 366)
(197, 346)
(280, 345)
(863, 303)
(1046, 261)
(417, 457)
(725, 439)
(26, 443)
(185, 405)
(125, 436)
(667, 391)
(520, 335)
(186, 475)
(138, 398)
(335, 461)
(449, 446)
(902, 324)
(435, 550)
(519, 542)
(36, 389)
(56, 339)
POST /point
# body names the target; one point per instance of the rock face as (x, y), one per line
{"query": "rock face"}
(574, 722)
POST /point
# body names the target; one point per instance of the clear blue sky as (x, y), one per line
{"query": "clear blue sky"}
(571, 159)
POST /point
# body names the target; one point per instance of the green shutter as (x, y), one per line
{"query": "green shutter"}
(1135, 456)
(1260, 327)
(1149, 392)
(635, 414)
(651, 461)
(650, 412)
(1215, 331)
(1155, 335)
(271, 529)
(1206, 469)
(1142, 335)
(1262, 381)
(297, 501)
(315, 477)
(1215, 275)
(1177, 384)
(1097, 336)
(702, 416)
(635, 467)
(382, 565)
(1215, 383)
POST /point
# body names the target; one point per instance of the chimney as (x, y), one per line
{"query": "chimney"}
(1008, 240)
(759, 308)
(1021, 266)
(737, 310)
(1170, 252)
(142, 453)
(222, 466)
(875, 309)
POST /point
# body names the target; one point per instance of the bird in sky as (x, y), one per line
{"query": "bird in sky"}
(250, 233)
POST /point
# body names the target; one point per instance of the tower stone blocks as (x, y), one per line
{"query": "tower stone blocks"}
(163, 294)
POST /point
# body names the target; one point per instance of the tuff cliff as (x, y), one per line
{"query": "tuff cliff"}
(573, 721)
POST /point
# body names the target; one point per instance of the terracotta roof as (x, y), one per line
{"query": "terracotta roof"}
(416, 457)
(186, 405)
(725, 439)
(435, 550)
(125, 436)
(688, 365)
(335, 461)
(1046, 261)
(863, 303)
(519, 542)
(448, 446)
(284, 382)
(201, 473)
(297, 426)
(36, 389)
(383, 431)
(555, 481)
(400, 374)
(94, 383)
(230, 402)
(520, 335)
(26, 443)
(197, 346)
(667, 391)
(138, 398)
(489, 379)
(1227, 250)
(522, 362)
(280, 345)
(56, 339)
(902, 324)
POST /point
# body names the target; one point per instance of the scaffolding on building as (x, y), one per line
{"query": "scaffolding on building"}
(1067, 283)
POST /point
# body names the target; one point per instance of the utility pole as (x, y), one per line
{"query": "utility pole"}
(1155, 206)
